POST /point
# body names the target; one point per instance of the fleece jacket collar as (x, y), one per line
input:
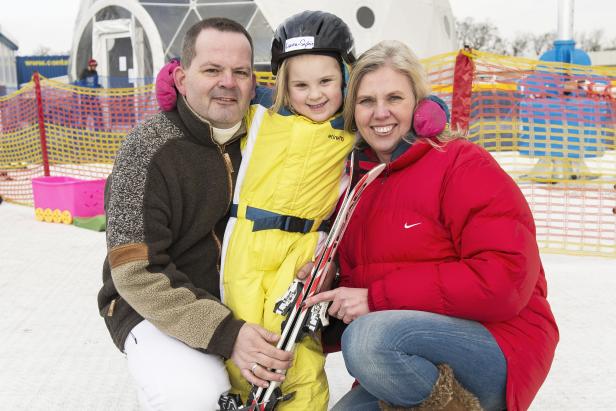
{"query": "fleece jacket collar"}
(199, 129)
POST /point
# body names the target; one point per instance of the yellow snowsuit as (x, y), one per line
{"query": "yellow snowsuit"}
(291, 166)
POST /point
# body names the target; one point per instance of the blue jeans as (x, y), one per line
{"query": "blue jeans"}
(393, 354)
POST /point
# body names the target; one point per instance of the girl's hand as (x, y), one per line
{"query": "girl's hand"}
(347, 303)
(304, 272)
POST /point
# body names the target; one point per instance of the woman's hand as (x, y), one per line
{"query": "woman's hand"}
(347, 303)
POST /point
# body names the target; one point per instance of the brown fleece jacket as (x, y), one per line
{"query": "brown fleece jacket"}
(167, 203)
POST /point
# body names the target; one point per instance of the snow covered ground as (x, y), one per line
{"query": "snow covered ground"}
(55, 353)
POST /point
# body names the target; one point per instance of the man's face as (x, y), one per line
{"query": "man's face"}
(219, 83)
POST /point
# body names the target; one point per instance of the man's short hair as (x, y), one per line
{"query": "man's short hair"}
(217, 23)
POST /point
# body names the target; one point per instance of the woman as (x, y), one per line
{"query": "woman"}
(440, 277)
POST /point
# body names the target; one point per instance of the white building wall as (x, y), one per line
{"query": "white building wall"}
(603, 58)
(4, 72)
(8, 69)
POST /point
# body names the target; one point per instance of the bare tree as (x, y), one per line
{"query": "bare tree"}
(42, 51)
(480, 36)
(542, 42)
(485, 36)
(48, 51)
(592, 41)
(520, 44)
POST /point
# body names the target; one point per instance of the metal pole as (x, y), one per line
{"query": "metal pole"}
(41, 121)
(565, 20)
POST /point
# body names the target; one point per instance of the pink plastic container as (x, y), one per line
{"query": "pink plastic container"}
(83, 198)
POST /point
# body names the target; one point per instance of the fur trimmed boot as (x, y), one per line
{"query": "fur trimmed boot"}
(447, 395)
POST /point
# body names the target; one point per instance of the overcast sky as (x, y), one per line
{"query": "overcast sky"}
(538, 16)
(35, 23)
(50, 23)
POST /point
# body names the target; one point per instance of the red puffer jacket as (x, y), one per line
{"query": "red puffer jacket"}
(448, 231)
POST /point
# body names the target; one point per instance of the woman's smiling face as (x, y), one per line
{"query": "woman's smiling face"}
(384, 109)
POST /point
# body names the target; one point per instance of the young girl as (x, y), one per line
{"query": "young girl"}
(290, 178)
(288, 184)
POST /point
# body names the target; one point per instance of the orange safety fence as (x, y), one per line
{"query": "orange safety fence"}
(82, 128)
(80, 132)
(551, 126)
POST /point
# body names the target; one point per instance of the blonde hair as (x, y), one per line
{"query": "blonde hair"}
(399, 57)
(280, 95)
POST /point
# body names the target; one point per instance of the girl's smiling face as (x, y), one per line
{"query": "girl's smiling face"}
(315, 86)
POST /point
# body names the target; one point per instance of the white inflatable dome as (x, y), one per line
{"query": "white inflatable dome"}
(132, 39)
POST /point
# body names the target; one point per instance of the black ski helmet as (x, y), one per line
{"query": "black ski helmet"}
(312, 31)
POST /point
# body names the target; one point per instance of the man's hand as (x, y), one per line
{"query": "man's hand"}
(254, 353)
(347, 303)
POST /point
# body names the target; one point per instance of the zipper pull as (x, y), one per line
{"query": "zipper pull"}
(111, 307)
(228, 162)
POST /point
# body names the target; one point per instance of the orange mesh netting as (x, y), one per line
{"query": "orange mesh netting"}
(551, 126)
(83, 128)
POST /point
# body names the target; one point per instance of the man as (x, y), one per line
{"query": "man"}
(89, 75)
(167, 206)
